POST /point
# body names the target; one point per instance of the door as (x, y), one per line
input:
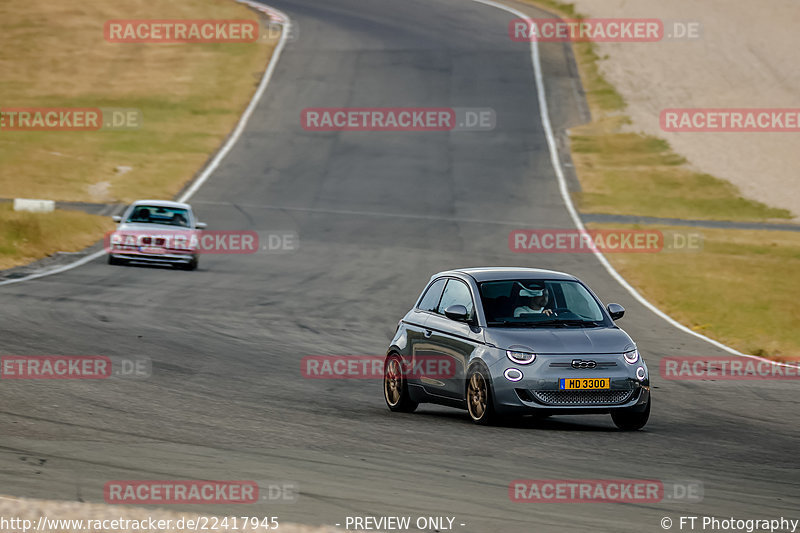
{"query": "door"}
(450, 340)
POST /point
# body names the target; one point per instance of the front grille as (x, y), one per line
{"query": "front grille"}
(568, 364)
(583, 397)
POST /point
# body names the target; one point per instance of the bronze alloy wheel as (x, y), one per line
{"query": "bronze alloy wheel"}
(395, 386)
(393, 382)
(479, 396)
(477, 393)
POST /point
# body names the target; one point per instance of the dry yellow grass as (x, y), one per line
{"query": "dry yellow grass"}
(742, 288)
(53, 54)
(25, 237)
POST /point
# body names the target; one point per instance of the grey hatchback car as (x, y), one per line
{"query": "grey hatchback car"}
(516, 341)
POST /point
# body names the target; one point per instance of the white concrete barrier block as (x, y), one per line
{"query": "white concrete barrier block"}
(34, 206)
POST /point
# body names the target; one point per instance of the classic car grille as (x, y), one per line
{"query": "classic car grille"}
(158, 241)
(582, 397)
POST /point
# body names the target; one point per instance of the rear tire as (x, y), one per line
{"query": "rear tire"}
(479, 397)
(630, 420)
(395, 386)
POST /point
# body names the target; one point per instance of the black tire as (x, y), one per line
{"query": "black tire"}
(630, 420)
(191, 265)
(478, 393)
(395, 386)
(114, 261)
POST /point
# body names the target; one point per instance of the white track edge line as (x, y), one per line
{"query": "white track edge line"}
(220, 155)
(573, 213)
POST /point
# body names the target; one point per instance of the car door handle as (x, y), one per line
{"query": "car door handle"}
(427, 333)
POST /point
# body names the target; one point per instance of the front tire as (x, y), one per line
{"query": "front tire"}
(480, 404)
(191, 265)
(630, 420)
(395, 386)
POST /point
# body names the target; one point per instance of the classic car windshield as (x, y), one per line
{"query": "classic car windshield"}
(150, 214)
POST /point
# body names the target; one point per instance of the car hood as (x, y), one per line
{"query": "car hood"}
(568, 340)
(152, 228)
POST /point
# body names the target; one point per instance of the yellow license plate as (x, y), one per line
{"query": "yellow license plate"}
(584, 383)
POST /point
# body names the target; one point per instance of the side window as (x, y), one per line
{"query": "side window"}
(456, 293)
(430, 301)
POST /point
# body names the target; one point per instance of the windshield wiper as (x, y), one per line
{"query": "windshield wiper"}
(510, 323)
(575, 322)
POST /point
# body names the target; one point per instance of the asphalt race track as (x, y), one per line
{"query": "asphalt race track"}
(376, 213)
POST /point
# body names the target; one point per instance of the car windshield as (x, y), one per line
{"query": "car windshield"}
(539, 302)
(151, 214)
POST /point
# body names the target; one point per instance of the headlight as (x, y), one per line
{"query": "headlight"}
(120, 239)
(522, 358)
(640, 373)
(631, 357)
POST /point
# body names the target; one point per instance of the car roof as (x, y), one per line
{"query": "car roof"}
(162, 203)
(501, 273)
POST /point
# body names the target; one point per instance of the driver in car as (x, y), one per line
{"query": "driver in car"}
(534, 300)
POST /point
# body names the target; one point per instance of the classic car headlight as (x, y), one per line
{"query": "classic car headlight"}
(121, 239)
(631, 357)
(522, 358)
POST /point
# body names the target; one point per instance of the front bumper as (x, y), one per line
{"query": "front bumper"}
(160, 259)
(538, 391)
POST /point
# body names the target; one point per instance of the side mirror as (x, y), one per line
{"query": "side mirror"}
(201, 225)
(616, 311)
(117, 219)
(457, 312)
